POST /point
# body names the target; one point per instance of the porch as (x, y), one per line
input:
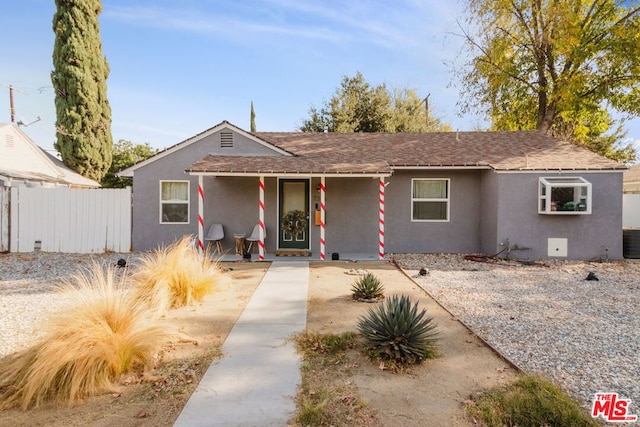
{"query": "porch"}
(229, 256)
(355, 206)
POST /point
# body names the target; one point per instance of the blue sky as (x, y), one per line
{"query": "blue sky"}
(180, 67)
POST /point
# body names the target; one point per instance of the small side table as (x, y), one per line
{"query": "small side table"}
(239, 243)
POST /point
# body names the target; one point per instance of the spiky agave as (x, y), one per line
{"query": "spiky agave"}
(367, 287)
(395, 330)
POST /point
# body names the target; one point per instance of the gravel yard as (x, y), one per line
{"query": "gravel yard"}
(546, 318)
(28, 283)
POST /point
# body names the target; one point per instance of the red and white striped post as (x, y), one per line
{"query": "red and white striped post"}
(200, 217)
(381, 220)
(323, 191)
(261, 220)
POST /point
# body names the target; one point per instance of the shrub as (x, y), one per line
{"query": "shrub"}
(175, 276)
(102, 334)
(367, 287)
(530, 401)
(396, 331)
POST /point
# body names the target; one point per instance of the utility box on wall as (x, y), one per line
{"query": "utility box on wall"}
(557, 247)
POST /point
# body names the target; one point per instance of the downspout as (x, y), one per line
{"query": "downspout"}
(261, 220)
(200, 217)
(323, 190)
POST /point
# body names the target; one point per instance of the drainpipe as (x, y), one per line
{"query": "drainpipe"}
(323, 190)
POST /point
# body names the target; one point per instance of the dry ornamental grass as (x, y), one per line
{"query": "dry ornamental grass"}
(108, 329)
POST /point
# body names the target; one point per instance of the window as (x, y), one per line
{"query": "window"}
(564, 196)
(174, 202)
(430, 200)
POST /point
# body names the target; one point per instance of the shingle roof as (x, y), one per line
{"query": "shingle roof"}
(633, 174)
(382, 152)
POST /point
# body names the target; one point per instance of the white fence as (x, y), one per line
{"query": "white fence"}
(631, 210)
(70, 220)
(4, 219)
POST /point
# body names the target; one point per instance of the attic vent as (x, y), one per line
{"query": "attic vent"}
(226, 140)
(9, 140)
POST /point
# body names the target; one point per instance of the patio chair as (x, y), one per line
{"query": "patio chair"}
(216, 234)
(255, 237)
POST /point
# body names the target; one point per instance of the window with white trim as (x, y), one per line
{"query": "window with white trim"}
(570, 195)
(174, 202)
(429, 199)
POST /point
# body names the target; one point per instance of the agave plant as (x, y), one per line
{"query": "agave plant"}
(367, 287)
(395, 330)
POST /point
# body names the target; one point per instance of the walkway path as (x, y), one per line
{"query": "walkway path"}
(255, 381)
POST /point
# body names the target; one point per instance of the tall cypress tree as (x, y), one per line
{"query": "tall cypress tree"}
(253, 119)
(83, 125)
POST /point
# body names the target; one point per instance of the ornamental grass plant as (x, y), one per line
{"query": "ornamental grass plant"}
(101, 334)
(175, 276)
(531, 401)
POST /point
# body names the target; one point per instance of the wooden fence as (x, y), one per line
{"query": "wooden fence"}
(70, 220)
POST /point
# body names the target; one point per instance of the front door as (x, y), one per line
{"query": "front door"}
(294, 214)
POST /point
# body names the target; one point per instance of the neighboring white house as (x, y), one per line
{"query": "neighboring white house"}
(631, 198)
(23, 162)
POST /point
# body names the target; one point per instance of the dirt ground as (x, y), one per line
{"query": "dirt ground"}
(434, 391)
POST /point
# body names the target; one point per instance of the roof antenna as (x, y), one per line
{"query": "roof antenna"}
(21, 123)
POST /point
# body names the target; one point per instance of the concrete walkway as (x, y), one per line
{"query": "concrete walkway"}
(255, 381)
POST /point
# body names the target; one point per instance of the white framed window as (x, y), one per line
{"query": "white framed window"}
(174, 202)
(570, 195)
(430, 199)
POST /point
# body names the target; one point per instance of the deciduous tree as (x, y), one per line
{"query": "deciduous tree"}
(83, 124)
(125, 154)
(559, 66)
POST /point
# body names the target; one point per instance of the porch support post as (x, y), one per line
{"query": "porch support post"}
(261, 220)
(200, 216)
(323, 191)
(381, 220)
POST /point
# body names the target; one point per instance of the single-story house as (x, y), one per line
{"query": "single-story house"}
(631, 180)
(24, 163)
(523, 194)
(631, 201)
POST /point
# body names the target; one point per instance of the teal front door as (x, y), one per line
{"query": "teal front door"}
(293, 230)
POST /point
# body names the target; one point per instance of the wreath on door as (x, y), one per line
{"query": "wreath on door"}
(294, 222)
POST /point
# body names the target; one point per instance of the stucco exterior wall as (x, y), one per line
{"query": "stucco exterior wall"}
(489, 206)
(149, 233)
(588, 236)
(352, 215)
(460, 234)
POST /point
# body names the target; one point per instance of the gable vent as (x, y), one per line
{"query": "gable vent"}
(9, 140)
(226, 139)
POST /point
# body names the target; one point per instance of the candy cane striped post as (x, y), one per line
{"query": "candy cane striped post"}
(200, 217)
(323, 191)
(261, 220)
(381, 221)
